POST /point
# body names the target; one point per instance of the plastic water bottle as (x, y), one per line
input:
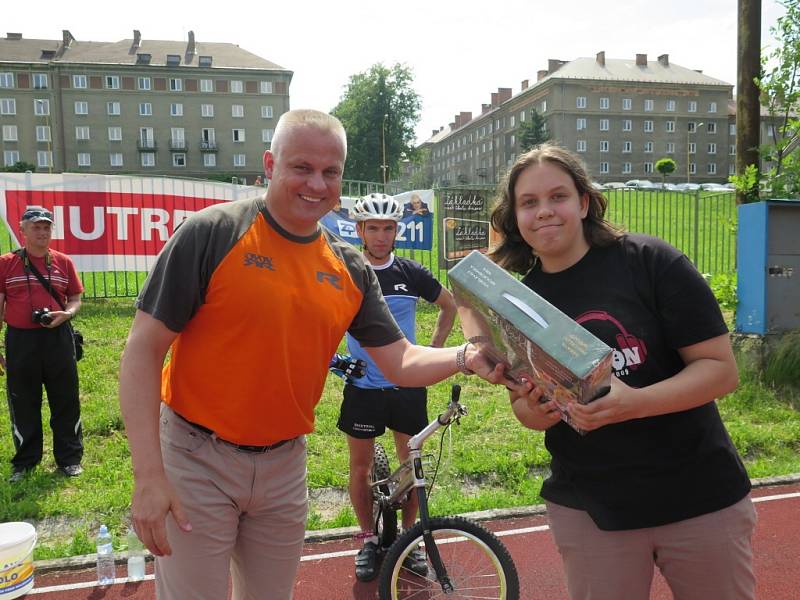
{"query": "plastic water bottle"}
(135, 557)
(106, 572)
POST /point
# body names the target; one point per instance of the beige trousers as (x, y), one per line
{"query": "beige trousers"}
(248, 515)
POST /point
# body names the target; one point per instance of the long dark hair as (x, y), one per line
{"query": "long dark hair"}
(513, 252)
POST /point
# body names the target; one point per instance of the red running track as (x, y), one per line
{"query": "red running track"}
(326, 572)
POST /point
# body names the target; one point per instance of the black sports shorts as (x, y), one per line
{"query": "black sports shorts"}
(367, 413)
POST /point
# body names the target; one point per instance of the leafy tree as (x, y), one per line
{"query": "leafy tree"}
(665, 166)
(379, 107)
(421, 172)
(780, 94)
(20, 167)
(532, 132)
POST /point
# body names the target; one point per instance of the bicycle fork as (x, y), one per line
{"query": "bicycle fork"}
(424, 517)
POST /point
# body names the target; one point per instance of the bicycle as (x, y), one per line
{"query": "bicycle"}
(465, 560)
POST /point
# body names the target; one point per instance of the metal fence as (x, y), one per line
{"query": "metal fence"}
(700, 224)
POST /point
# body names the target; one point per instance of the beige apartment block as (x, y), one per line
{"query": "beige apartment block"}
(177, 108)
(619, 115)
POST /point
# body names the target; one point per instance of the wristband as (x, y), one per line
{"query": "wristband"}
(461, 360)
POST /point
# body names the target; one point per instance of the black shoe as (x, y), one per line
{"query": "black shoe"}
(71, 470)
(417, 562)
(18, 475)
(367, 562)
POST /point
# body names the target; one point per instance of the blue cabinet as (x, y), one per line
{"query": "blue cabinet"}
(768, 261)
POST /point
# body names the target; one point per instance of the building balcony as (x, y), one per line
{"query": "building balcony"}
(177, 145)
(146, 145)
(208, 146)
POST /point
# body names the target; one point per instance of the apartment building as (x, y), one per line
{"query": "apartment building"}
(619, 115)
(178, 108)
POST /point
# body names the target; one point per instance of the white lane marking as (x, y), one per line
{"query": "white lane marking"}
(341, 553)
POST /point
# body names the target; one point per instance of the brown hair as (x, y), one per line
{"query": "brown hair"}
(513, 252)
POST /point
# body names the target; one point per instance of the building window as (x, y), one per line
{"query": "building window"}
(175, 84)
(581, 147)
(731, 128)
(627, 104)
(266, 112)
(10, 133)
(648, 167)
(670, 126)
(82, 132)
(205, 61)
(692, 168)
(44, 158)
(627, 147)
(603, 146)
(239, 160)
(648, 147)
(238, 135)
(41, 107)
(670, 147)
(8, 106)
(143, 83)
(115, 159)
(670, 105)
(543, 107)
(237, 111)
(43, 133)
(112, 82)
(522, 116)
(146, 139)
(10, 158)
(237, 87)
(113, 109)
(604, 167)
(266, 87)
(173, 60)
(712, 168)
(692, 149)
(712, 148)
(209, 160)
(626, 168)
(732, 150)
(148, 159)
(178, 159)
(627, 125)
(81, 107)
(512, 121)
(691, 126)
(648, 126)
(115, 134)
(206, 85)
(84, 159)
(648, 105)
(712, 107)
(40, 83)
(603, 124)
(731, 169)
(692, 106)
(206, 110)
(711, 128)
(580, 124)
(6, 80)
(176, 109)
(580, 102)
(145, 109)
(266, 135)
(79, 82)
(604, 103)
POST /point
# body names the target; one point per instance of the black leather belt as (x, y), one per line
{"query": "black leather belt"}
(239, 447)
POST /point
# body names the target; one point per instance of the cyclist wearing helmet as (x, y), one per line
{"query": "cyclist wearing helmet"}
(373, 403)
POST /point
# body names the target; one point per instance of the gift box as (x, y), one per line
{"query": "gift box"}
(513, 325)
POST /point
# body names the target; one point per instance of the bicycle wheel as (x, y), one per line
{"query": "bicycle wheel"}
(385, 520)
(477, 563)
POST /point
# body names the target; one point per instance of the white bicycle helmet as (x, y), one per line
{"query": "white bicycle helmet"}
(377, 206)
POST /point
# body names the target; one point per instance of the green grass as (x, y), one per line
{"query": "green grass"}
(489, 460)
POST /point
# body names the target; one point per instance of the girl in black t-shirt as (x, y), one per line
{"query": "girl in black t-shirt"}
(655, 481)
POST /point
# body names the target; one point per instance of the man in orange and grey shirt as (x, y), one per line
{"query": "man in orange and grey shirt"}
(252, 298)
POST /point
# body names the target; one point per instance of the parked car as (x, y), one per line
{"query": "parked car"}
(641, 184)
(687, 187)
(713, 187)
(614, 185)
(598, 186)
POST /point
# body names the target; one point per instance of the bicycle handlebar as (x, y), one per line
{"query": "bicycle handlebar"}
(454, 409)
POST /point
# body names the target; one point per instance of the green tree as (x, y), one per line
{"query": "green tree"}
(379, 110)
(780, 94)
(532, 132)
(20, 167)
(665, 166)
(421, 170)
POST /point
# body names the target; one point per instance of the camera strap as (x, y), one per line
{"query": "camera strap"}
(29, 266)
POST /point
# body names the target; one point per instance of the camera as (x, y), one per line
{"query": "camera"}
(42, 316)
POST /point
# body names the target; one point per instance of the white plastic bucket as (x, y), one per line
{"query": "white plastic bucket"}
(16, 559)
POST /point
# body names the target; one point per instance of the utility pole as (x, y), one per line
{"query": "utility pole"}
(748, 107)
(384, 166)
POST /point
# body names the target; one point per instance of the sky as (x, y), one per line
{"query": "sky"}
(460, 52)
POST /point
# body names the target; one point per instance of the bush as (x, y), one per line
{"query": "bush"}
(782, 364)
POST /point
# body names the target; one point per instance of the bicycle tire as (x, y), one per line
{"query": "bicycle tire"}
(385, 520)
(477, 563)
